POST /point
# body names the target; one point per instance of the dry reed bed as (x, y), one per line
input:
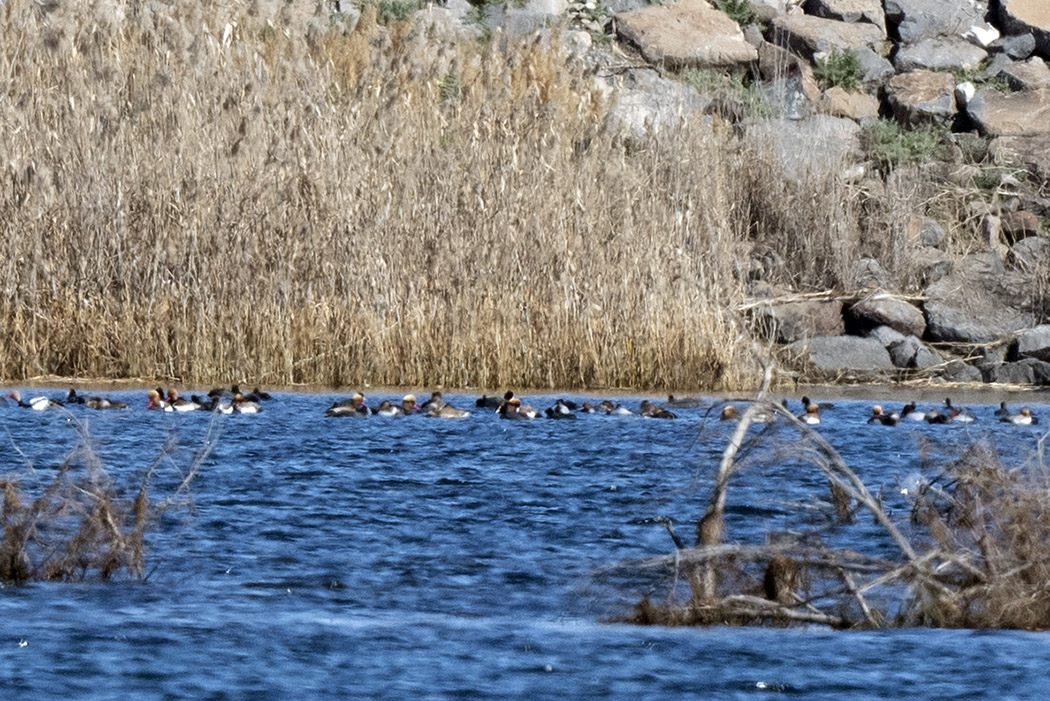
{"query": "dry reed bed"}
(206, 194)
(972, 552)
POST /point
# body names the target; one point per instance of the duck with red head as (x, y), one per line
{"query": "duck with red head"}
(811, 415)
(36, 403)
(438, 408)
(881, 417)
(1023, 418)
(651, 411)
(354, 406)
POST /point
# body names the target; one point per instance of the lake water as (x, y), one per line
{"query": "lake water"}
(420, 558)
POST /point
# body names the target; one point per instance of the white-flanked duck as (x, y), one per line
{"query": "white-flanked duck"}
(438, 408)
(155, 402)
(934, 416)
(651, 411)
(387, 408)
(94, 402)
(354, 406)
(36, 403)
(180, 404)
(513, 410)
(811, 416)
(244, 406)
(910, 413)
(881, 417)
(958, 413)
(610, 409)
(1024, 418)
(560, 410)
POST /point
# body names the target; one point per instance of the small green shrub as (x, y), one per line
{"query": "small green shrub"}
(839, 68)
(740, 11)
(396, 10)
(891, 145)
(727, 87)
(449, 87)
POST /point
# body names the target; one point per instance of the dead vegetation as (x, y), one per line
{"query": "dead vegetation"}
(973, 551)
(82, 523)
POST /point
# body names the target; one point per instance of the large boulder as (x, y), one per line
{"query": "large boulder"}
(849, 11)
(979, 302)
(807, 35)
(1024, 113)
(645, 102)
(922, 97)
(1027, 16)
(884, 310)
(873, 66)
(918, 19)
(1029, 371)
(1031, 254)
(839, 353)
(795, 321)
(686, 34)
(1032, 74)
(939, 54)
(858, 106)
(812, 145)
(1034, 343)
(910, 352)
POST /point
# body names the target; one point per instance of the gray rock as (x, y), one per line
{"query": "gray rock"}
(842, 353)
(918, 19)
(926, 357)
(1030, 255)
(809, 145)
(1028, 75)
(932, 264)
(1016, 46)
(931, 233)
(1021, 224)
(1029, 371)
(1032, 151)
(958, 371)
(884, 310)
(939, 54)
(977, 303)
(1027, 17)
(1017, 114)
(686, 34)
(1034, 343)
(886, 336)
(644, 102)
(874, 66)
(922, 97)
(913, 353)
(766, 10)
(806, 35)
(868, 273)
(849, 11)
(522, 23)
(796, 321)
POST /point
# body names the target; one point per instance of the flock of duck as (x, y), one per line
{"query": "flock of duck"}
(510, 407)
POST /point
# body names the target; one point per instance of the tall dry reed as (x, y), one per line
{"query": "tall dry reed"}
(207, 194)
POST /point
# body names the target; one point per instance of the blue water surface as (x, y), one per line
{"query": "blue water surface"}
(421, 558)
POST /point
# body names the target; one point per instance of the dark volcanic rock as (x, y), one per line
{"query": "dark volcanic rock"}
(913, 353)
(1029, 371)
(922, 97)
(1034, 343)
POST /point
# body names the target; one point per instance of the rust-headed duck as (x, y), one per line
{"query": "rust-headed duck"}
(910, 413)
(1024, 418)
(36, 403)
(811, 415)
(880, 416)
(651, 411)
(354, 406)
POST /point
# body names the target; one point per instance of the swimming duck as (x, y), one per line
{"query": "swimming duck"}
(487, 402)
(880, 416)
(560, 410)
(651, 411)
(824, 406)
(442, 410)
(94, 402)
(586, 408)
(244, 406)
(910, 413)
(611, 409)
(180, 404)
(354, 406)
(387, 408)
(682, 402)
(935, 417)
(957, 413)
(811, 415)
(1002, 412)
(36, 403)
(729, 413)
(1024, 418)
(408, 405)
(155, 402)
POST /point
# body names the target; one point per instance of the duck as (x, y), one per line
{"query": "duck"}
(439, 409)
(823, 406)
(513, 410)
(652, 411)
(935, 417)
(910, 413)
(587, 408)
(387, 408)
(1024, 418)
(957, 413)
(244, 406)
(1002, 412)
(36, 403)
(487, 402)
(611, 409)
(682, 402)
(94, 402)
(880, 416)
(560, 410)
(155, 401)
(180, 404)
(354, 406)
(408, 405)
(811, 415)
(729, 413)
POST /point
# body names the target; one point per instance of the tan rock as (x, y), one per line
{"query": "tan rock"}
(686, 34)
(922, 96)
(1032, 151)
(857, 105)
(1028, 75)
(807, 35)
(1023, 16)
(849, 11)
(1024, 113)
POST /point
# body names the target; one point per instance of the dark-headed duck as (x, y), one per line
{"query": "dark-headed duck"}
(651, 411)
